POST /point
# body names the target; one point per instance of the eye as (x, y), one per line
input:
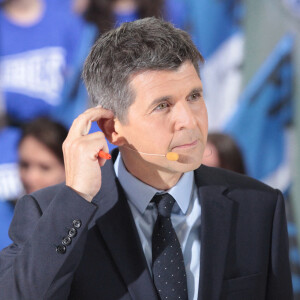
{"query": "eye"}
(24, 164)
(44, 167)
(194, 96)
(162, 106)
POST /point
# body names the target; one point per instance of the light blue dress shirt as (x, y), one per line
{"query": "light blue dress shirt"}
(185, 217)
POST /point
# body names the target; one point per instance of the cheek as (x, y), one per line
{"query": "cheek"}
(23, 175)
(149, 135)
(202, 120)
(56, 175)
(62, 176)
(203, 110)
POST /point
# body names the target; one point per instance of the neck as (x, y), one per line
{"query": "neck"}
(24, 12)
(160, 179)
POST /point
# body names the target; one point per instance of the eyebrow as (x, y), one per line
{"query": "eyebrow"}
(166, 98)
(197, 90)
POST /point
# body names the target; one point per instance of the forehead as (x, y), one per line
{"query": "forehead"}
(156, 83)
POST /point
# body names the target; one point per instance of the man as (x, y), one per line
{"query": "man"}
(143, 226)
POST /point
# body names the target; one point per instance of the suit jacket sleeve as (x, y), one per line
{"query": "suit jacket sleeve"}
(279, 279)
(31, 268)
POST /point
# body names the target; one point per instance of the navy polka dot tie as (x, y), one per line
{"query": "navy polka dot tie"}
(167, 260)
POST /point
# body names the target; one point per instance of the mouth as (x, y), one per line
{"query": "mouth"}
(186, 146)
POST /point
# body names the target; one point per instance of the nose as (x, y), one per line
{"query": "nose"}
(184, 116)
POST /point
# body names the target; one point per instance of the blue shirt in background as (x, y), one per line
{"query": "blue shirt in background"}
(6, 215)
(34, 60)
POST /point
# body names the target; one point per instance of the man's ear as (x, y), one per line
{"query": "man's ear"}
(111, 131)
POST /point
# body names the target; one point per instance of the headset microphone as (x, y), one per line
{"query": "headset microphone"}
(173, 156)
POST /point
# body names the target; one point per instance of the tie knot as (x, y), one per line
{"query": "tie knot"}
(164, 203)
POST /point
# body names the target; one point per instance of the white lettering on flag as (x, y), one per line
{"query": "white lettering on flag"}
(36, 73)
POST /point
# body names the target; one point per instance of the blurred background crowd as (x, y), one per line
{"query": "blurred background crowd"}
(250, 78)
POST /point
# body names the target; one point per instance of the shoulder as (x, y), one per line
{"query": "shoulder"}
(209, 176)
(250, 196)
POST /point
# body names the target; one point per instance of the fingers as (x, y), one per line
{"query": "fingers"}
(83, 173)
(82, 124)
(101, 160)
(88, 145)
(81, 149)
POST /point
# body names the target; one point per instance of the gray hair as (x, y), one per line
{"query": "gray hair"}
(146, 44)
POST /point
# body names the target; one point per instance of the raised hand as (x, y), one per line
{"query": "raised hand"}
(82, 164)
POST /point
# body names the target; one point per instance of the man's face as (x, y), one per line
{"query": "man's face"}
(168, 115)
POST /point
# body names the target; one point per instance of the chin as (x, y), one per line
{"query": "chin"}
(29, 191)
(186, 164)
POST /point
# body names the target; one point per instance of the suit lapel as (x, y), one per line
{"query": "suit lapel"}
(117, 227)
(119, 232)
(216, 217)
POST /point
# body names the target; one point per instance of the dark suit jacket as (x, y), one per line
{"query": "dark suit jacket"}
(244, 245)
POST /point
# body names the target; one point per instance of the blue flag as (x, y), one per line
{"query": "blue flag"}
(213, 22)
(216, 29)
(260, 123)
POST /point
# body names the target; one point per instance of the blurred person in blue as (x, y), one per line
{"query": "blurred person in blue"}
(40, 164)
(38, 41)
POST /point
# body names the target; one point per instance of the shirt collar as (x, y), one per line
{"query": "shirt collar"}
(140, 193)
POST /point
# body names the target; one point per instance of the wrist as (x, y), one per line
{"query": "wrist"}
(87, 197)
